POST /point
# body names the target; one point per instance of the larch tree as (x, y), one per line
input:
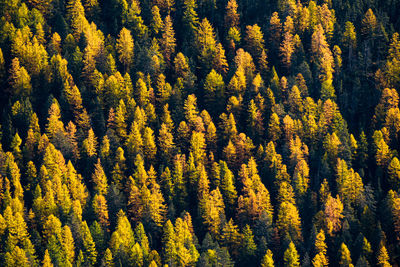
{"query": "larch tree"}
(220, 62)
(101, 210)
(275, 30)
(383, 257)
(344, 256)
(394, 172)
(334, 214)
(156, 21)
(55, 125)
(214, 88)
(125, 48)
(76, 15)
(350, 39)
(231, 237)
(289, 221)
(369, 24)
(291, 256)
(268, 260)
(19, 79)
(254, 40)
(349, 183)
(165, 142)
(168, 42)
(190, 18)
(206, 43)
(323, 57)
(99, 178)
(231, 14)
(122, 239)
(287, 47)
(149, 144)
(248, 247)
(227, 185)
(320, 258)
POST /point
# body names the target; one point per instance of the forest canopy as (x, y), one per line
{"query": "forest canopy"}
(199, 133)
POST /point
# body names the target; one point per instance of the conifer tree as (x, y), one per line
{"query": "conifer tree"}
(206, 43)
(125, 48)
(291, 257)
(249, 247)
(268, 260)
(345, 259)
(383, 257)
(101, 210)
(190, 17)
(289, 221)
(168, 42)
(20, 81)
(99, 179)
(255, 40)
(231, 16)
(156, 21)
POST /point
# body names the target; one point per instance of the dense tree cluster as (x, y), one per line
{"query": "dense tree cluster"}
(199, 133)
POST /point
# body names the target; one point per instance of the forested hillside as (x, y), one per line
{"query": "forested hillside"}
(199, 133)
